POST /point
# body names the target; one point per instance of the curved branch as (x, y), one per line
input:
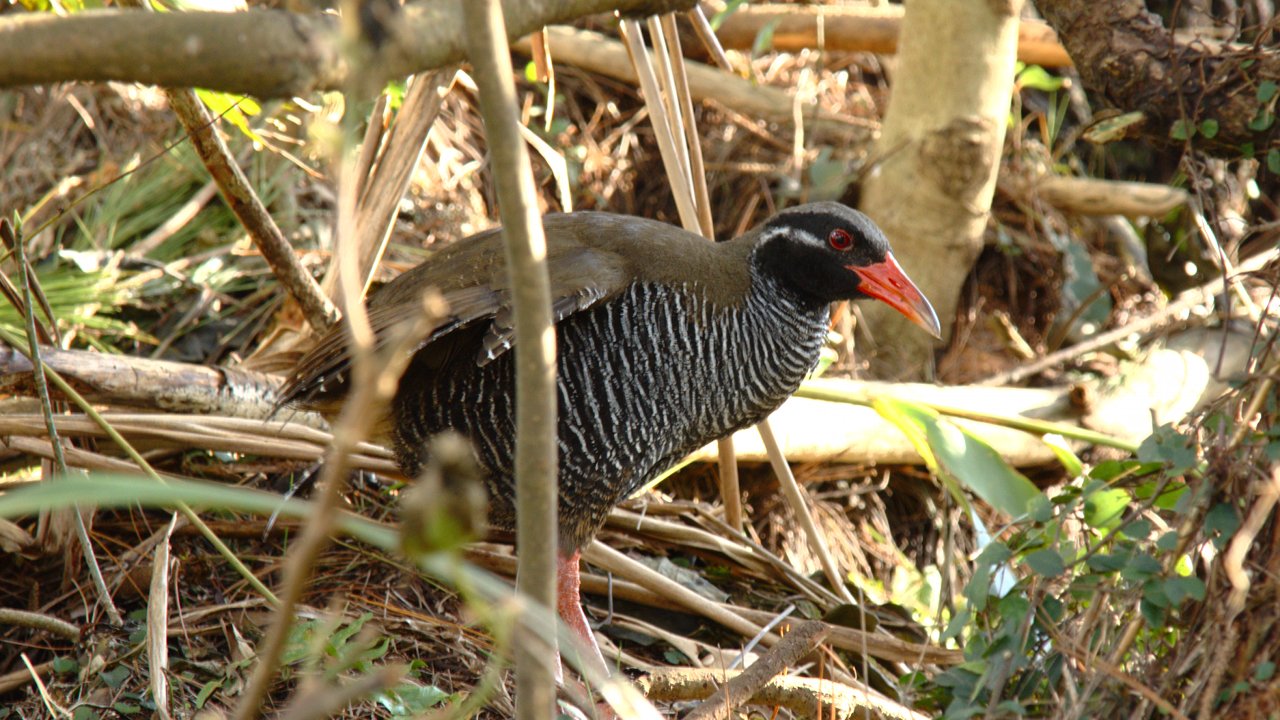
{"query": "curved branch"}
(265, 53)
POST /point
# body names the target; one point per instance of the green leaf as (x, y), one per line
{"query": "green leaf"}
(115, 677)
(1273, 161)
(764, 39)
(235, 109)
(344, 634)
(990, 562)
(1140, 567)
(1037, 78)
(411, 699)
(1262, 121)
(962, 455)
(957, 624)
(207, 691)
(108, 490)
(1209, 128)
(63, 665)
(1045, 562)
(1062, 450)
(1103, 509)
(828, 178)
(1265, 671)
(1167, 445)
(1267, 90)
(125, 708)
(1105, 563)
(1137, 529)
(1179, 588)
(1168, 541)
(1182, 129)
(1222, 520)
(730, 8)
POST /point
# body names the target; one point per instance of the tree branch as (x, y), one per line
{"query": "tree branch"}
(526, 253)
(266, 53)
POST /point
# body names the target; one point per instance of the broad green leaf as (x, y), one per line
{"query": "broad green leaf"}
(1167, 445)
(1045, 562)
(410, 699)
(764, 39)
(1178, 588)
(963, 456)
(1223, 520)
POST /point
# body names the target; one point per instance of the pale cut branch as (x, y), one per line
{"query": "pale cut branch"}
(806, 697)
(1091, 196)
(597, 53)
(155, 384)
(266, 53)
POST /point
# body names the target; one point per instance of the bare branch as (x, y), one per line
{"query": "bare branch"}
(266, 53)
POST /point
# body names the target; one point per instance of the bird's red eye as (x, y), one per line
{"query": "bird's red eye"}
(840, 239)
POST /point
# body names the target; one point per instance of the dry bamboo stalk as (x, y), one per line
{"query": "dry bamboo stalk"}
(878, 645)
(598, 553)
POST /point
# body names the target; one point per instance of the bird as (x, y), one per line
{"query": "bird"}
(665, 342)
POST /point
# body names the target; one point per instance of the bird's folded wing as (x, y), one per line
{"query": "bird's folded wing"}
(580, 278)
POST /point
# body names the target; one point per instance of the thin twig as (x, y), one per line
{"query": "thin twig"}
(526, 249)
(40, 621)
(1189, 300)
(597, 553)
(244, 202)
(60, 460)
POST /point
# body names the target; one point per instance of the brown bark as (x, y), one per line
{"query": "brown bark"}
(1128, 60)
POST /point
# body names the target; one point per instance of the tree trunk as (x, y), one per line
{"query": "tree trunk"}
(940, 147)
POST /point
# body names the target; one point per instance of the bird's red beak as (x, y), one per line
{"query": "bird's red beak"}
(886, 282)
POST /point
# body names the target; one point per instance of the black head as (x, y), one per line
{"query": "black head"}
(828, 252)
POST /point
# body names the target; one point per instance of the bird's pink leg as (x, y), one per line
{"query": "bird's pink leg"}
(569, 605)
